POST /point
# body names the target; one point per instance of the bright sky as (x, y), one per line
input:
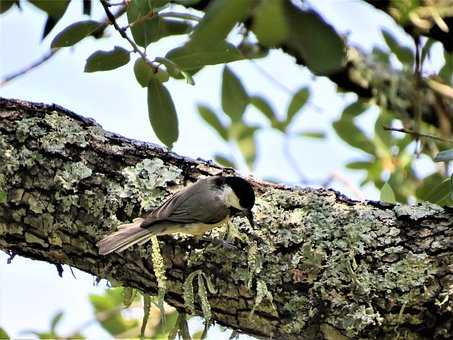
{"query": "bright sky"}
(31, 292)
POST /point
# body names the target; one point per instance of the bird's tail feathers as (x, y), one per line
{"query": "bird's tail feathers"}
(126, 236)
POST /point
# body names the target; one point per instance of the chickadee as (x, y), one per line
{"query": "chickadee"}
(194, 210)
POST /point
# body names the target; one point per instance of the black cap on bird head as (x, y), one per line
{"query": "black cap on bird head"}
(243, 191)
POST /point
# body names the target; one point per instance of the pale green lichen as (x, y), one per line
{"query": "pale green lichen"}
(71, 174)
(64, 130)
(146, 181)
(417, 212)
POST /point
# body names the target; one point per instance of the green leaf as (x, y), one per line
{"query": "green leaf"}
(144, 72)
(269, 24)
(444, 156)
(351, 134)
(247, 146)
(359, 165)
(404, 54)
(446, 72)
(322, 49)
(144, 22)
(211, 118)
(189, 57)
(219, 20)
(384, 139)
(74, 33)
(108, 311)
(297, 102)
(312, 134)
(107, 60)
(7, 4)
(3, 334)
(164, 329)
(225, 161)
(147, 26)
(86, 7)
(387, 194)
(263, 105)
(55, 320)
(162, 113)
(354, 109)
(435, 188)
(53, 8)
(234, 96)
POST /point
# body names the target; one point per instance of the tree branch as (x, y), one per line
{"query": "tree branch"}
(334, 267)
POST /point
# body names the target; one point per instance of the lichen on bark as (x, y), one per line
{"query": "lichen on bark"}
(320, 264)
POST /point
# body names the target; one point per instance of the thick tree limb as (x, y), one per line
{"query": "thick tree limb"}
(334, 268)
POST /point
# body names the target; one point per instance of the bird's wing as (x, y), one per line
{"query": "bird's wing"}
(189, 206)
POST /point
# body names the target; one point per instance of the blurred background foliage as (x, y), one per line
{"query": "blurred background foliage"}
(413, 108)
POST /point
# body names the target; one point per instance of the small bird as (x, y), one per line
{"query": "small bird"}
(194, 210)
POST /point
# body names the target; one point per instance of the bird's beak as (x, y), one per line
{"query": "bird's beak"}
(249, 215)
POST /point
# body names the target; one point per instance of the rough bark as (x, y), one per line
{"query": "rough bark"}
(323, 266)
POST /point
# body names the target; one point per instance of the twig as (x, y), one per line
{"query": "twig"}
(122, 32)
(28, 68)
(418, 134)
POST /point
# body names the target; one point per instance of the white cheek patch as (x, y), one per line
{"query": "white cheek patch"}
(230, 198)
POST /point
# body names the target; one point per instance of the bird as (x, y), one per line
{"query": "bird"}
(194, 210)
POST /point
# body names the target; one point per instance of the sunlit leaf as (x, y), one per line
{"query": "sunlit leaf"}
(385, 137)
(219, 20)
(444, 156)
(3, 334)
(269, 23)
(107, 60)
(234, 96)
(74, 33)
(297, 102)
(322, 49)
(404, 54)
(162, 113)
(387, 194)
(190, 57)
(211, 118)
